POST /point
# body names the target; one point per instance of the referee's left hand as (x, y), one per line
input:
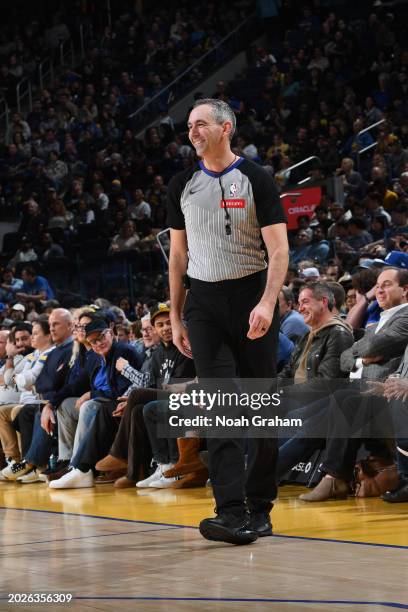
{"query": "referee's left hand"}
(260, 321)
(181, 339)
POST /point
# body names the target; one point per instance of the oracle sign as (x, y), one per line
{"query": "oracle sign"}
(302, 204)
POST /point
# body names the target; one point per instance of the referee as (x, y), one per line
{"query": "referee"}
(217, 211)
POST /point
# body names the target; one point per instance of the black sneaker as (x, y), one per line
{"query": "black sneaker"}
(397, 495)
(260, 522)
(59, 466)
(227, 528)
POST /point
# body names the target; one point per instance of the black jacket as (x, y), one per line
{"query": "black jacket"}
(322, 363)
(168, 365)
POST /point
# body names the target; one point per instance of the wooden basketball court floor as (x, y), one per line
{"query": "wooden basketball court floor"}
(141, 550)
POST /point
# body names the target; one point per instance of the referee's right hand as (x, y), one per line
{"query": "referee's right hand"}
(181, 340)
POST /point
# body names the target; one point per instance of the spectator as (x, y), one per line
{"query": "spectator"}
(83, 215)
(106, 385)
(60, 217)
(376, 355)
(313, 367)
(17, 313)
(56, 169)
(32, 221)
(35, 288)
(18, 347)
(123, 333)
(47, 249)
(351, 298)
(302, 247)
(36, 444)
(24, 254)
(320, 247)
(29, 370)
(126, 239)
(3, 342)
(10, 285)
(352, 181)
(291, 322)
(139, 209)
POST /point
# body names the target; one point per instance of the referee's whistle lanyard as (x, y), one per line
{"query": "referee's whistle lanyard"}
(226, 211)
(185, 278)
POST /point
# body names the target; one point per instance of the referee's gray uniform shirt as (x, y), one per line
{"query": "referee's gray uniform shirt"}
(194, 201)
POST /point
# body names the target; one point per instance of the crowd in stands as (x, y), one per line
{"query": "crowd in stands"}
(91, 376)
(84, 391)
(72, 167)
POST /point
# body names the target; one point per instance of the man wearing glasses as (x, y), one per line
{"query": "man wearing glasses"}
(106, 385)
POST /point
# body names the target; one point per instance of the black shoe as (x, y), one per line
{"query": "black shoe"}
(227, 528)
(398, 495)
(61, 464)
(260, 522)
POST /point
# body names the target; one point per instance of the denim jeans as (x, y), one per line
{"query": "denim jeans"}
(87, 414)
(73, 425)
(41, 444)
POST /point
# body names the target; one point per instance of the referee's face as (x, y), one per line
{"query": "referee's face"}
(205, 135)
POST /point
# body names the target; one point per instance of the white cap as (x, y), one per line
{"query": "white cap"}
(19, 307)
(310, 273)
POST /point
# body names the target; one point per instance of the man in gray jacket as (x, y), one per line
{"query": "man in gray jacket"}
(355, 416)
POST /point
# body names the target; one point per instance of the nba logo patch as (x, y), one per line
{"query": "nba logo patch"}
(233, 188)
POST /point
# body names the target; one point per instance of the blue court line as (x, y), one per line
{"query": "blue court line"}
(389, 604)
(102, 535)
(292, 537)
(275, 535)
(103, 518)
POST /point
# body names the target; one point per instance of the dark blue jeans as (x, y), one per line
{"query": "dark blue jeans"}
(309, 438)
(41, 443)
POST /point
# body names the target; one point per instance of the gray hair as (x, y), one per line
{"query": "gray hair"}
(321, 290)
(221, 112)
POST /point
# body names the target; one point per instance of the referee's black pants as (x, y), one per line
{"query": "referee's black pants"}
(217, 316)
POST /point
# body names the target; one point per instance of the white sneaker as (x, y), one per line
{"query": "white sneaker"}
(32, 476)
(74, 479)
(163, 482)
(14, 470)
(162, 467)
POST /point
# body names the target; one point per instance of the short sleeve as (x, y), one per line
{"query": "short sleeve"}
(175, 217)
(269, 210)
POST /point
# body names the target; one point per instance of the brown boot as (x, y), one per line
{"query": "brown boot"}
(328, 488)
(110, 463)
(124, 483)
(189, 459)
(195, 479)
